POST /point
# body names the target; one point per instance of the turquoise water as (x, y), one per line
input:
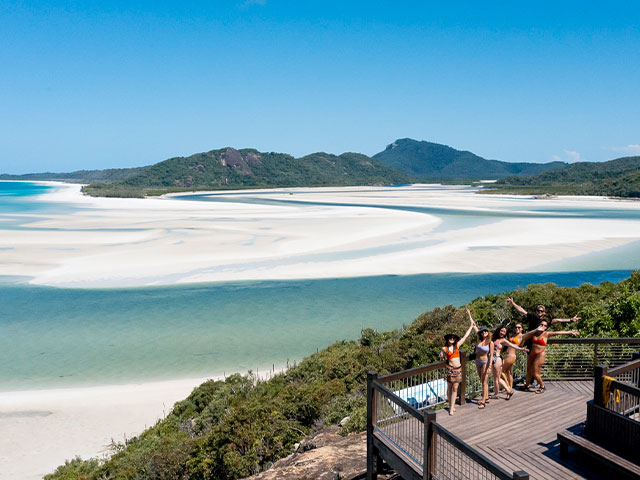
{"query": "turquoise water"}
(63, 337)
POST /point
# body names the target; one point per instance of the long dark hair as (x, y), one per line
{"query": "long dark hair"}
(496, 333)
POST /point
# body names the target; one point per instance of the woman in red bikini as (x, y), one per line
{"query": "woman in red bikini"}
(540, 337)
(451, 352)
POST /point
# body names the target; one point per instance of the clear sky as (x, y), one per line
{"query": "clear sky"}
(123, 83)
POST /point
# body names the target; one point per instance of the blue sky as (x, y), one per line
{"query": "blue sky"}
(118, 84)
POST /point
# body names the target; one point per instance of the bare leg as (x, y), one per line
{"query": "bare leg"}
(507, 370)
(454, 395)
(449, 395)
(483, 374)
(537, 370)
(497, 378)
(527, 381)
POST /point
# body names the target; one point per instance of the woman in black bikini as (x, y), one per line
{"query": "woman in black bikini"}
(536, 359)
(451, 352)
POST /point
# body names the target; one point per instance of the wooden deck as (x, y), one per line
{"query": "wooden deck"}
(521, 434)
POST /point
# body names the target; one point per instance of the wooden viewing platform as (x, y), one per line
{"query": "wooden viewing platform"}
(518, 438)
(523, 431)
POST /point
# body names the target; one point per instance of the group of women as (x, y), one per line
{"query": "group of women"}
(496, 353)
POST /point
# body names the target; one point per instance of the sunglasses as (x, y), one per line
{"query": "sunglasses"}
(540, 311)
(518, 327)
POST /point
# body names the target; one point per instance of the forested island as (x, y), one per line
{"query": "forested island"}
(240, 426)
(403, 161)
(615, 178)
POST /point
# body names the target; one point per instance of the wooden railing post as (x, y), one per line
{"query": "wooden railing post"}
(598, 373)
(429, 454)
(520, 475)
(462, 386)
(636, 356)
(372, 454)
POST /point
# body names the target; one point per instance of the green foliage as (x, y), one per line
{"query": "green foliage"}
(618, 178)
(248, 168)
(432, 161)
(237, 427)
(76, 469)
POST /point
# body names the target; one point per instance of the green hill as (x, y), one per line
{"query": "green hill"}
(79, 176)
(432, 161)
(234, 428)
(619, 178)
(246, 168)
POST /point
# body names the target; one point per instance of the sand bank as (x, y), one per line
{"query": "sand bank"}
(42, 428)
(106, 242)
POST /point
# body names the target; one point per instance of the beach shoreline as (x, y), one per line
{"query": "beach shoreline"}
(43, 428)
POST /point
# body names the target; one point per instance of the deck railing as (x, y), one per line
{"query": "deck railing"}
(420, 447)
(613, 417)
(398, 405)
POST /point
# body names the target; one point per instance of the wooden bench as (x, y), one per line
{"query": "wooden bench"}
(613, 463)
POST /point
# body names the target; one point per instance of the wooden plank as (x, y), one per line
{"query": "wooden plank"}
(612, 460)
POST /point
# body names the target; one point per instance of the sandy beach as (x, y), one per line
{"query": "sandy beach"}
(134, 242)
(105, 242)
(42, 428)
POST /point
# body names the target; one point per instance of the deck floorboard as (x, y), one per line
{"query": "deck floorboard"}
(521, 434)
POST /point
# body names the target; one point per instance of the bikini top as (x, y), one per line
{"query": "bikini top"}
(539, 341)
(515, 340)
(497, 346)
(483, 348)
(454, 354)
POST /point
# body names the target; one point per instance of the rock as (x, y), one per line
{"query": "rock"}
(344, 421)
(325, 455)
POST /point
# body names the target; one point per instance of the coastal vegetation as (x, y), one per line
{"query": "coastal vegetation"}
(615, 178)
(429, 161)
(232, 428)
(248, 168)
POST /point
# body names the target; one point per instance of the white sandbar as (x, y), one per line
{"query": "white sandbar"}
(135, 242)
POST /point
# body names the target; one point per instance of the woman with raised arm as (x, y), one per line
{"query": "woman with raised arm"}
(451, 352)
(510, 357)
(499, 340)
(539, 338)
(533, 320)
(484, 358)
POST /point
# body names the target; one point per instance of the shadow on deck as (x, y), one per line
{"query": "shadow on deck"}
(523, 431)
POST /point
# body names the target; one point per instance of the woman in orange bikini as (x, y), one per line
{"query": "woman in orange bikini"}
(451, 352)
(510, 356)
(499, 340)
(540, 337)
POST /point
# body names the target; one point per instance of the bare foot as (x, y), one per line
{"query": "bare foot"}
(452, 411)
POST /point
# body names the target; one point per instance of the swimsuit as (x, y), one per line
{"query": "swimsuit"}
(515, 340)
(497, 346)
(538, 341)
(453, 374)
(481, 350)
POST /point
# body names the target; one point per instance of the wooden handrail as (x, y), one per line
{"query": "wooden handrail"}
(625, 387)
(597, 340)
(399, 401)
(624, 368)
(412, 371)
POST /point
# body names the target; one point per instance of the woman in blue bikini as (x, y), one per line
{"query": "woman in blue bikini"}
(484, 355)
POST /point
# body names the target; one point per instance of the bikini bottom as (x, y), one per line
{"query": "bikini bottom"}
(534, 355)
(480, 363)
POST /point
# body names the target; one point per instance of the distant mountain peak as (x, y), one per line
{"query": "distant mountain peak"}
(435, 161)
